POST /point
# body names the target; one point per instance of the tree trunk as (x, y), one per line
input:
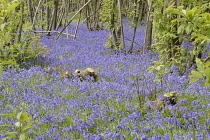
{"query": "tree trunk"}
(135, 22)
(120, 34)
(175, 43)
(21, 23)
(72, 19)
(113, 32)
(149, 24)
(55, 14)
(75, 33)
(87, 14)
(30, 11)
(47, 16)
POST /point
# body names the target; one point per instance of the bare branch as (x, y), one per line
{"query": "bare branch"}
(53, 32)
(72, 19)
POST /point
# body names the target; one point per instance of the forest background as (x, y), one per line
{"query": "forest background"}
(177, 31)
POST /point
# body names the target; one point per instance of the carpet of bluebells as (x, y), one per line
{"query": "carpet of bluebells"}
(111, 108)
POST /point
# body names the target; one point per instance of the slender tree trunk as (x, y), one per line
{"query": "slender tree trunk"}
(55, 14)
(92, 15)
(72, 18)
(87, 14)
(67, 9)
(47, 15)
(62, 15)
(75, 34)
(93, 7)
(36, 13)
(113, 32)
(141, 9)
(148, 33)
(21, 23)
(135, 22)
(98, 6)
(42, 16)
(121, 34)
(30, 11)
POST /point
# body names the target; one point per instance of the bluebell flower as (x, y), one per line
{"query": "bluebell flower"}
(54, 101)
(136, 129)
(200, 136)
(144, 137)
(109, 135)
(156, 137)
(166, 137)
(135, 115)
(146, 129)
(208, 121)
(98, 137)
(208, 135)
(183, 101)
(195, 103)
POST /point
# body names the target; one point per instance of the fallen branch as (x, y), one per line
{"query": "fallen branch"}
(133, 42)
(53, 32)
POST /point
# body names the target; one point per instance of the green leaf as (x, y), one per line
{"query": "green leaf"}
(151, 70)
(200, 65)
(158, 68)
(19, 115)
(194, 80)
(17, 124)
(24, 117)
(158, 80)
(11, 134)
(22, 136)
(25, 127)
(189, 28)
(157, 62)
(8, 125)
(1, 70)
(196, 74)
(207, 72)
(9, 137)
(184, 11)
(189, 14)
(2, 26)
(207, 82)
(181, 7)
(181, 28)
(179, 20)
(207, 64)
(196, 10)
(10, 115)
(173, 11)
(12, 7)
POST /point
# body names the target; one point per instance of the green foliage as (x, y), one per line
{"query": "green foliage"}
(107, 11)
(163, 33)
(109, 16)
(21, 126)
(196, 23)
(203, 71)
(12, 50)
(49, 3)
(182, 24)
(159, 69)
(193, 21)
